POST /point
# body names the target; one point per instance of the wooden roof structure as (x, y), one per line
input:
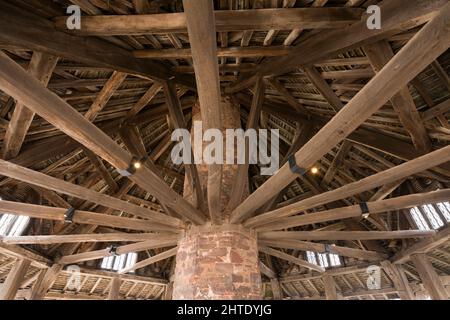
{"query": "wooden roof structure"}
(369, 109)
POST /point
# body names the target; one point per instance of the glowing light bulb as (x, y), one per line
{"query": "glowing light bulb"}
(314, 170)
(137, 165)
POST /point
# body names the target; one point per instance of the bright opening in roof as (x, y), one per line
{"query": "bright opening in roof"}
(13, 226)
(323, 260)
(431, 216)
(117, 263)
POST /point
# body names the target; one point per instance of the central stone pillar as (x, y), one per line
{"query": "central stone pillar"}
(218, 262)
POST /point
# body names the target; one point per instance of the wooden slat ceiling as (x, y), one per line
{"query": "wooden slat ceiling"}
(124, 90)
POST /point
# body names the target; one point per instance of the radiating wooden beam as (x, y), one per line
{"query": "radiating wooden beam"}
(344, 235)
(156, 258)
(300, 139)
(57, 185)
(18, 252)
(281, 255)
(202, 36)
(80, 217)
(398, 15)
(82, 238)
(408, 62)
(14, 279)
(41, 67)
(15, 81)
(394, 174)
(341, 271)
(225, 21)
(319, 247)
(87, 6)
(354, 211)
(134, 247)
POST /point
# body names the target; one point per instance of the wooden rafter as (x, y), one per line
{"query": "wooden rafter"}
(202, 35)
(225, 21)
(33, 32)
(41, 67)
(383, 86)
(413, 13)
(368, 108)
(68, 120)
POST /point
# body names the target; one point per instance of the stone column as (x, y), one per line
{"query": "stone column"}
(218, 262)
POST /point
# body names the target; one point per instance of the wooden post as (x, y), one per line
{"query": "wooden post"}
(330, 287)
(398, 277)
(202, 36)
(168, 291)
(41, 287)
(14, 279)
(429, 277)
(114, 290)
(276, 289)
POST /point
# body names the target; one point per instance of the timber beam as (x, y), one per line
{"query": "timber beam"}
(17, 83)
(400, 70)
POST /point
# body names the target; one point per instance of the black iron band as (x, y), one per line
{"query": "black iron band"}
(328, 248)
(364, 209)
(68, 216)
(113, 250)
(294, 167)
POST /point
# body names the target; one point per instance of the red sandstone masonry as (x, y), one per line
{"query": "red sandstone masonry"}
(217, 263)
